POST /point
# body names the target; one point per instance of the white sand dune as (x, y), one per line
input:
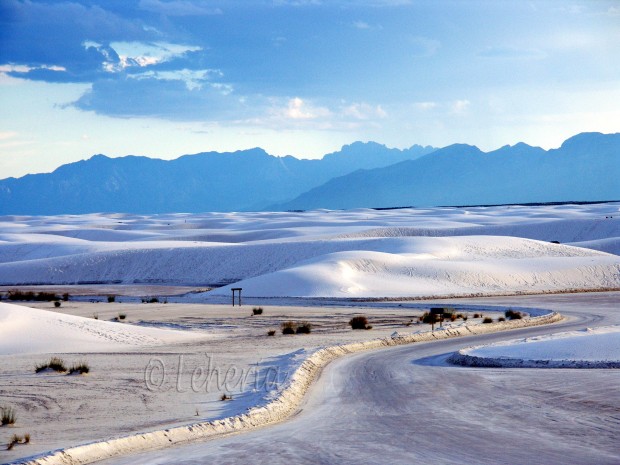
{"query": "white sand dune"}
(361, 252)
(26, 330)
(425, 266)
(589, 348)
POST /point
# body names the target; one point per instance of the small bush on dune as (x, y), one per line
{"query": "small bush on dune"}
(57, 304)
(225, 397)
(7, 416)
(477, 315)
(501, 318)
(487, 319)
(512, 315)
(122, 316)
(25, 439)
(288, 327)
(304, 328)
(271, 332)
(359, 322)
(111, 298)
(80, 368)
(257, 311)
(55, 363)
(65, 296)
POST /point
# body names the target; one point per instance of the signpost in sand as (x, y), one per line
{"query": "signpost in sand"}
(236, 289)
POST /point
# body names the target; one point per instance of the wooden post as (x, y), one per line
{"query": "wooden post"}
(236, 289)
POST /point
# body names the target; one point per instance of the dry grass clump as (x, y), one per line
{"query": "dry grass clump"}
(271, 332)
(55, 363)
(288, 327)
(487, 319)
(257, 311)
(7, 416)
(80, 368)
(25, 439)
(359, 322)
(304, 328)
(512, 315)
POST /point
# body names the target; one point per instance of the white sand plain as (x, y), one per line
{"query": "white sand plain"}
(144, 378)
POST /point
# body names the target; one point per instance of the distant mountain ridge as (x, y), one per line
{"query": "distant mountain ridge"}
(212, 181)
(585, 168)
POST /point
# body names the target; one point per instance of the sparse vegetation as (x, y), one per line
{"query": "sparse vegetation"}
(79, 368)
(271, 332)
(512, 315)
(225, 397)
(257, 311)
(57, 304)
(15, 294)
(431, 319)
(16, 439)
(288, 327)
(122, 316)
(96, 316)
(55, 363)
(477, 315)
(65, 296)
(501, 318)
(7, 416)
(150, 300)
(359, 322)
(111, 298)
(487, 319)
(304, 328)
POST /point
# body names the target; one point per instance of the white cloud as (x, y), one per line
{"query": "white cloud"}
(460, 106)
(298, 109)
(425, 106)
(363, 111)
(178, 8)
(12, 68)
(121, 55)
(4, 135)
(193, 79)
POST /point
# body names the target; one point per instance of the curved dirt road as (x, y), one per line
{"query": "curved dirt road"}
(402, 405)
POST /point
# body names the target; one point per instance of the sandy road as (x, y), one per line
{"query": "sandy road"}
(403, 405)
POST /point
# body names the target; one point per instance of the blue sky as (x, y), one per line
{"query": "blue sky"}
(168, 77)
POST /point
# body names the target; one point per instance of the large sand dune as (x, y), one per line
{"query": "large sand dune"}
(356, 253)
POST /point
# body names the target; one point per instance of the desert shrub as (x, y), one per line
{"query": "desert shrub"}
(225, 397)
(501, 318)
(80, 368)
(122, 316)
(369, 327)
(459, 315)
(304, 328)
(452, 317)
(512, 315)
(477, 315)
(271, 332)
(288, 327)
(464, 317)
(7, 416)
(65, 297)
(111, 298)
(96, 316)
(57, 304)
(16, 439)
(55, 363)
(487, 319)
(257, 311)
(359, 322)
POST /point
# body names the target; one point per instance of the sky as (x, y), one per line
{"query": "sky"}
(163, 78)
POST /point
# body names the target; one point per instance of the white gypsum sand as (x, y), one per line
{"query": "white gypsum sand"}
(419, 250)
(280, 407)
(589, 348)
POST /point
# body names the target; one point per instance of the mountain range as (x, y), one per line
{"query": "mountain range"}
(585, 168)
